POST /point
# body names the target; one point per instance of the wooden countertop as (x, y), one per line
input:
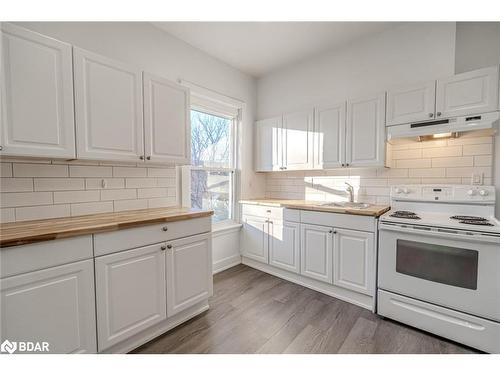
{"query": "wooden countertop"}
(373, 210)
(24, 232)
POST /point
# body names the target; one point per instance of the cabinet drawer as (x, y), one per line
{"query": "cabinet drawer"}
(355, 222)
(278, 213)
(25, 258)
(111, 242)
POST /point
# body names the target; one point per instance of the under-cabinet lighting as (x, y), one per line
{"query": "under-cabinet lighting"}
(431, 137)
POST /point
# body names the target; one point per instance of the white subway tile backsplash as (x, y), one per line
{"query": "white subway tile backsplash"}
(483, 149)
(161, 202)
(131, 183)
(152, 193)
(76, 196)
(427, 172)
(78, 209)
(55, 184)
(25, 199)
(42, 212)
(459, 161)
(129, 172)
(443, 152)
(161, 172)
(131, 204)
(39, 170)
(407, 154)
(414, 163)
(7, 215)
(166, 182)
(5, 170)
(483, 161)
(118, 194)
(109, 183)
(90, 171)
(16, 184)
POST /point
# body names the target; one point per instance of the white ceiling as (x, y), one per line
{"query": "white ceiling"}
(258, 48)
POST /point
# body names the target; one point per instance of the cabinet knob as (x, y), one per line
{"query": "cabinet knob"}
(141, 157)
(1, 148)
(165, 228)
(431, 115)
(148, 157)
(343, 164)
(439, 114)
(169, 247)
(164, 247)
(333, 231)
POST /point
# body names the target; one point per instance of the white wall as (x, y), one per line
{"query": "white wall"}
(478, 46)
(154, 50)
(408, 53)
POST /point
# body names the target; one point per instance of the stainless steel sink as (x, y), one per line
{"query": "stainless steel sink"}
(352, 205)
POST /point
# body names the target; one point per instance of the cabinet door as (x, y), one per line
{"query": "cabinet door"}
(55, 305)
(316, 252)
(411, 103)
(189, 272)
(284, 246)
(130, 293)
(254, 238)
(365, 140)
(37, 115)
(167, 131)
(268, 145)
(468, 93)
(329, 136)
(108, 103)
(298, 140)
(353, 261)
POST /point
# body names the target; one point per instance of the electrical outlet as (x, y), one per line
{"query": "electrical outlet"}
(477, 179)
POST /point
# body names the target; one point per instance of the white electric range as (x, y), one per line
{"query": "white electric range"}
(439, 262)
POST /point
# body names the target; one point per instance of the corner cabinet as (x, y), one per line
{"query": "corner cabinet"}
(37, 95)
(55, 305)
(108, 108)
(268, 147)
(130, 293)
(365, 132)
(167, 130)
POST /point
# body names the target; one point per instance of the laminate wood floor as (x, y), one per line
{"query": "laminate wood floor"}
(253, 312)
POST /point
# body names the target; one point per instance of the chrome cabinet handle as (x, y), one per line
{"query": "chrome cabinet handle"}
(165, 228)
(141, 157)
(332, 231)
(148, 157)
(164, 248)
(169, 247)
(431, 115)
(439, 114)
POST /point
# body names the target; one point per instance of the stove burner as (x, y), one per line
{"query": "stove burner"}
(468, 218)
(405, 215)
(476, 222)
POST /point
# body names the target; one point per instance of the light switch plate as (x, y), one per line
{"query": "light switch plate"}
(477, 179)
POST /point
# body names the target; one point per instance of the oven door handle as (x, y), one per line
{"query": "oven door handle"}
(440, 232)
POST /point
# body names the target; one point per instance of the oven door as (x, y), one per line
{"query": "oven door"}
(455, 269)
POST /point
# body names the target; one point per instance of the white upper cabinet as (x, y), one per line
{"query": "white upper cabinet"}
(268, 149)
(298, 140)
(329, 136)
(468, 93)
(108, 103)
(167, 131)
(37, 95)
(353, 260)
(411, 103)
(365, 144)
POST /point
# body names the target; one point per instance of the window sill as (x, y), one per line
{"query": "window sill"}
(225, 226)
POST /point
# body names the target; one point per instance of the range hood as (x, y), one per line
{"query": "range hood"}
(452, 125)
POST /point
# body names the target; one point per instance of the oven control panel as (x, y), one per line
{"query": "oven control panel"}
(444, 193)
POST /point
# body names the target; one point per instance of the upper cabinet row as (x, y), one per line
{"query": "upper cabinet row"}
(65, 102)
(347, 134)
(462, 94)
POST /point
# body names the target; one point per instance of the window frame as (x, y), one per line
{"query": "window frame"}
(231, 170)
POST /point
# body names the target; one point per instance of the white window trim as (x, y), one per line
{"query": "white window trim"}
(211, 102)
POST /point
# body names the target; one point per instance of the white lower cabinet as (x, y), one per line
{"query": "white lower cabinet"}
(254, 240)
(284, 245)
(353, 260)
(55, 305)
(316, 252)
(189, 272)
(130, 293)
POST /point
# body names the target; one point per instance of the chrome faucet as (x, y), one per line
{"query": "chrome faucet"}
(350, 190)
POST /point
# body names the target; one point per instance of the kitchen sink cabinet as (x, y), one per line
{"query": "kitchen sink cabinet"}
(316, 252)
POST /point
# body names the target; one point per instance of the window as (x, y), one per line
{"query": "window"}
(211, 175)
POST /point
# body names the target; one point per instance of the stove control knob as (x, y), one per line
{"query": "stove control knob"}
(483, 193)
(470, 192)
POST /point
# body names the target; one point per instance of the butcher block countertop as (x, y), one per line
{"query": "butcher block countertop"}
(373, 210)
(25, 232)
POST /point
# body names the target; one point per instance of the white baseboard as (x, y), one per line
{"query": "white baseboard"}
(226, 263)
(358, 299)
